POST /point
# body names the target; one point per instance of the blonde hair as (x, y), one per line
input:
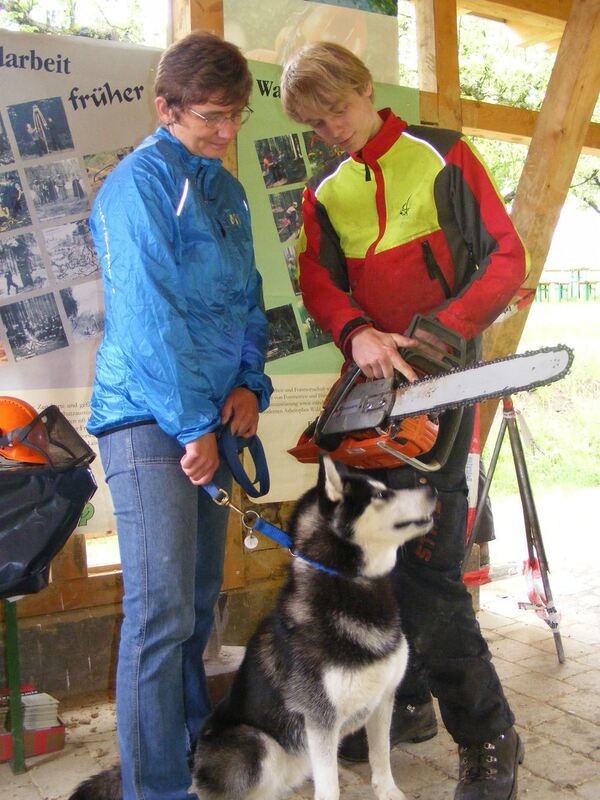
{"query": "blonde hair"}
(319, 75)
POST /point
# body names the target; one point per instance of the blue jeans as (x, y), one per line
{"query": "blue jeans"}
(172, 541)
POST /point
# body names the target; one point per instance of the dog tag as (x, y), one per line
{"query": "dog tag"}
(250, 542)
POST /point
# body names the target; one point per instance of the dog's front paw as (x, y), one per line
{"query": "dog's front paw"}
(390, 793)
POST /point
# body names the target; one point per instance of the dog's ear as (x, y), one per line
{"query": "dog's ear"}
(330, 480)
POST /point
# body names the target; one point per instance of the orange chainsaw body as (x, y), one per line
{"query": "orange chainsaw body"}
(413, 437)
(392, 444)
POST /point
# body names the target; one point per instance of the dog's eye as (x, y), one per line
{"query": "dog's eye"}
(381, 494)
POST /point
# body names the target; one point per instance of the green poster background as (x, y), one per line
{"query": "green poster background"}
(297, 346)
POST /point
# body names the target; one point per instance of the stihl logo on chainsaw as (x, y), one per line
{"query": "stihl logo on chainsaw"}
(387, 423)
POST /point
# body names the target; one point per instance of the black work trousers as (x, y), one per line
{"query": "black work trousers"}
(449, 656)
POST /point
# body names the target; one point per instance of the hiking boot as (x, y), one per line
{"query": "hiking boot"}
(409, 724)
(488, 771)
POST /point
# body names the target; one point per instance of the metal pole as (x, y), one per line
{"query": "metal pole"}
(533, 532)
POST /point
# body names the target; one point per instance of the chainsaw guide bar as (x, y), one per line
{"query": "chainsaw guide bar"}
(376, 403)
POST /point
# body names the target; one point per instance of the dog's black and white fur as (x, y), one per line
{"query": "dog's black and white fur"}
(327, 659)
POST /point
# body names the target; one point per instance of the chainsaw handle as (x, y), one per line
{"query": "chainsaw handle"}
(435, 360)
(336, 396)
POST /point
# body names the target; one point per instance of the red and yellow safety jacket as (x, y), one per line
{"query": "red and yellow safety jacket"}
(411, 224)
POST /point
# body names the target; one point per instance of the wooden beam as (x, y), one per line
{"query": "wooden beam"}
(500, 122)
(559, 135)
(437, 39)
(446, 64)
(426, 51)
(528, 12)
(191, 15)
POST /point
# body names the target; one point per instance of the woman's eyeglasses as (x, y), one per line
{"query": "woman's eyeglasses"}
(217, 120)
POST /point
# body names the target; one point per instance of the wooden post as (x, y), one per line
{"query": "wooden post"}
(191, 15)
(438, 59)
(557, 140)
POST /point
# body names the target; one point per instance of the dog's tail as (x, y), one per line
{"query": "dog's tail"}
(228, 764)
(103, 786)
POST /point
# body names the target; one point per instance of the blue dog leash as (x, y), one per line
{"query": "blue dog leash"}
(252, 521)
(229, 447)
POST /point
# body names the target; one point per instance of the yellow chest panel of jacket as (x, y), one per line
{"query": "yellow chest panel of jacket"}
(395, 206)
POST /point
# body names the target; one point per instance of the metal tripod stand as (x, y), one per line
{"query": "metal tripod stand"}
(542, 602)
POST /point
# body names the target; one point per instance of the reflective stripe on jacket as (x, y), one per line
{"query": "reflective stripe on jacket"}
(184, 318)
(411, 224)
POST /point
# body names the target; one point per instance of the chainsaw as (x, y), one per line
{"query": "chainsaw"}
(389, 422)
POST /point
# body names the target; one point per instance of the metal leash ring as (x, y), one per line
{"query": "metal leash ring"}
(249, 521)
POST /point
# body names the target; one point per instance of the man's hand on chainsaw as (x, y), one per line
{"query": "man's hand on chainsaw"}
(376, 353)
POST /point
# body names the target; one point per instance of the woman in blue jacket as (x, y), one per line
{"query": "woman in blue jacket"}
(182, 355)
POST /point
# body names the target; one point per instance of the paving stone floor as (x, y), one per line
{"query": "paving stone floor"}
(557, 705)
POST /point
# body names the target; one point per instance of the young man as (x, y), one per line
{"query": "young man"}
(406, 222)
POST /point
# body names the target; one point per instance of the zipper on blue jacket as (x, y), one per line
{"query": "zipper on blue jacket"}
(433, 268)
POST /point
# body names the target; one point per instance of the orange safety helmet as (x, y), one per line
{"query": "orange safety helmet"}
(19, 440)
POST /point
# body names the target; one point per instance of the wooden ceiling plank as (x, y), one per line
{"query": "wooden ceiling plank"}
(557, 141)
(536, 12)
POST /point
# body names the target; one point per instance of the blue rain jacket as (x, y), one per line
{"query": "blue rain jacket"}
(184, 319)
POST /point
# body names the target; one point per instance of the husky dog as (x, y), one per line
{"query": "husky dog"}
(326, 661)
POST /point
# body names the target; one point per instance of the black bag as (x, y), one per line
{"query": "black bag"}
(41, 503)
(39, 510)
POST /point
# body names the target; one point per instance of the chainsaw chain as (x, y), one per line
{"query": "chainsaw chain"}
(506, 392)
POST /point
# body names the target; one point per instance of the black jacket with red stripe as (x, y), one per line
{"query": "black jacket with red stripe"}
(411, 224)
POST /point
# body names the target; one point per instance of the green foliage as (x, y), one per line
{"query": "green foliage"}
(96, 20)
(494, 69)
(564, 417)
(505, 161)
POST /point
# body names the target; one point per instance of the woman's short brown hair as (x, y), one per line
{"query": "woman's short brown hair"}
(319, 75)
(202, 67)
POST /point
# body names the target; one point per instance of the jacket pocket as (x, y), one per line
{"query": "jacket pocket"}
(434, 270)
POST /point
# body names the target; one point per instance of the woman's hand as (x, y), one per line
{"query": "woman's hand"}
(240, 410)
(201, 459)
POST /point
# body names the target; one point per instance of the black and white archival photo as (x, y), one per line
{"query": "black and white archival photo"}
(33, 327)
(71, 250)
(286, 213)
(6, 153)
(84, 309)
(21, 265)
(281, 160)
(40, 127)
(13, 205)
(99, 165)
(57, 189)
(284, 336)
